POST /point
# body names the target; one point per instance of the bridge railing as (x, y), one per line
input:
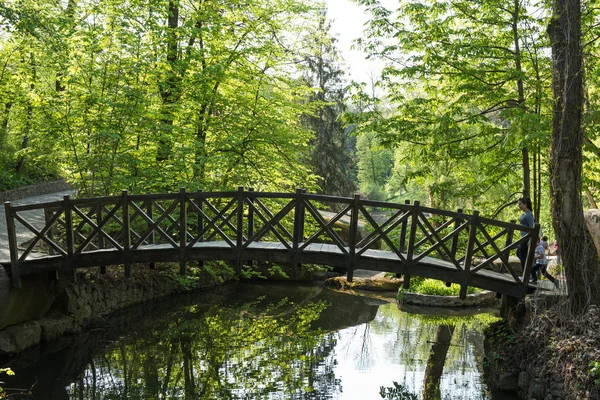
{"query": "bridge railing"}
(126, 225)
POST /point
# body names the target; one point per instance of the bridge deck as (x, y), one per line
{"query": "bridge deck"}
(318, 253)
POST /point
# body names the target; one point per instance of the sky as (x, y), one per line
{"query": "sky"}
(347, 20)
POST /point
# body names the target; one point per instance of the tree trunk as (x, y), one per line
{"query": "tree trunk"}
(4, 126)
(590, 198)
(577, 249)
(169, 88)
(521, 94)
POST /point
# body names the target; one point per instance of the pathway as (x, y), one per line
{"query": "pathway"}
(36, 217)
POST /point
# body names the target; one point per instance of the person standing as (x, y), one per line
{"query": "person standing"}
(524, 204)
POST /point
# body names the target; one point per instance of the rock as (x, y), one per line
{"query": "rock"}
(53, 328)
(17, 338)
(592, 221)
(377, 283)
(475, 299)
(508, 382)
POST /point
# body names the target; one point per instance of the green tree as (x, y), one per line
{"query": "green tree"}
(156, 95)
(374, 166)
(466, 80)
(332, 149)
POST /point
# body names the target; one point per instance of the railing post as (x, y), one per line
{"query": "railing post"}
(403, 232)
(353, 239)
(402, 244)
(533, 238)
(70, 239)
(126, 233)
(298, 230)
(250, 220)
(12, 246)
(454, 247)
(101, 243)
(411, 241)
(470, 246)
(182, 231)
(151, 238)
(200, 225)
(509, 239)
(47, 217)
(240, 230)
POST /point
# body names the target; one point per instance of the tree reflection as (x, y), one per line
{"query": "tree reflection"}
(245, 352)
(435, 363)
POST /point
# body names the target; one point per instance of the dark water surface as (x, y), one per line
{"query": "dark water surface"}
(263, 341)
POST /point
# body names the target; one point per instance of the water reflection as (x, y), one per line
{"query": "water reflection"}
(266, 342)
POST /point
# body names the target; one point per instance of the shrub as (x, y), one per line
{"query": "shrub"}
(434, 287)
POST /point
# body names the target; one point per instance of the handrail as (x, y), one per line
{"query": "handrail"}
(132, 223)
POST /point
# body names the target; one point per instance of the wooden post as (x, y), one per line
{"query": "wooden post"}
(47, 218)
(101, 243)
(509, 239)
(182, 231)
(533, 238)
(353, 239)
(126, 233)
(470, 246)
(411, 241)
(250, 220)
(151, 238)
(200, 225)
(70, 239)
(240, 230)
(402, 244)
(298, 230)
(403, 232)
(53, 275)
(454, 247)
(12, 246)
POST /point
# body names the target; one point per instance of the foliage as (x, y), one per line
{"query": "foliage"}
(12, 393)
(595, 371)
(7, 371)
(251, 349)
(433, 287)
(151, 96)
(397, 392)
(465, 94)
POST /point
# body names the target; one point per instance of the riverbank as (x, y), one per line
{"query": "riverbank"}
(553, 356)
(66, 306)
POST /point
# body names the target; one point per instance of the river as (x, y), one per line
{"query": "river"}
(264, 341)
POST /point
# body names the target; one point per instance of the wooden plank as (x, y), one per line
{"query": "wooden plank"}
(313, 248)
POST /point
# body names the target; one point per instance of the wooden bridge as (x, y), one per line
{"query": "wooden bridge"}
(244, 226)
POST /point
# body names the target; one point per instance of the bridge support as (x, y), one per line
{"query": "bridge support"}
(513, 310)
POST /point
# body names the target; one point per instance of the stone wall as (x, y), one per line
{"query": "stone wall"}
(68, 306)
(475, 299)
(34, 190)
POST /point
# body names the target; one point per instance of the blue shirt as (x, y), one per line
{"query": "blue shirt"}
(526, 220)
(539, 250)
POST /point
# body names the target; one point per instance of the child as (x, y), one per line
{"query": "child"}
(544, 242)
(541, 265)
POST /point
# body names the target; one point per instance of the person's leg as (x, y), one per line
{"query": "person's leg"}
(534, 273)
(548, 276)
(522, 253)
